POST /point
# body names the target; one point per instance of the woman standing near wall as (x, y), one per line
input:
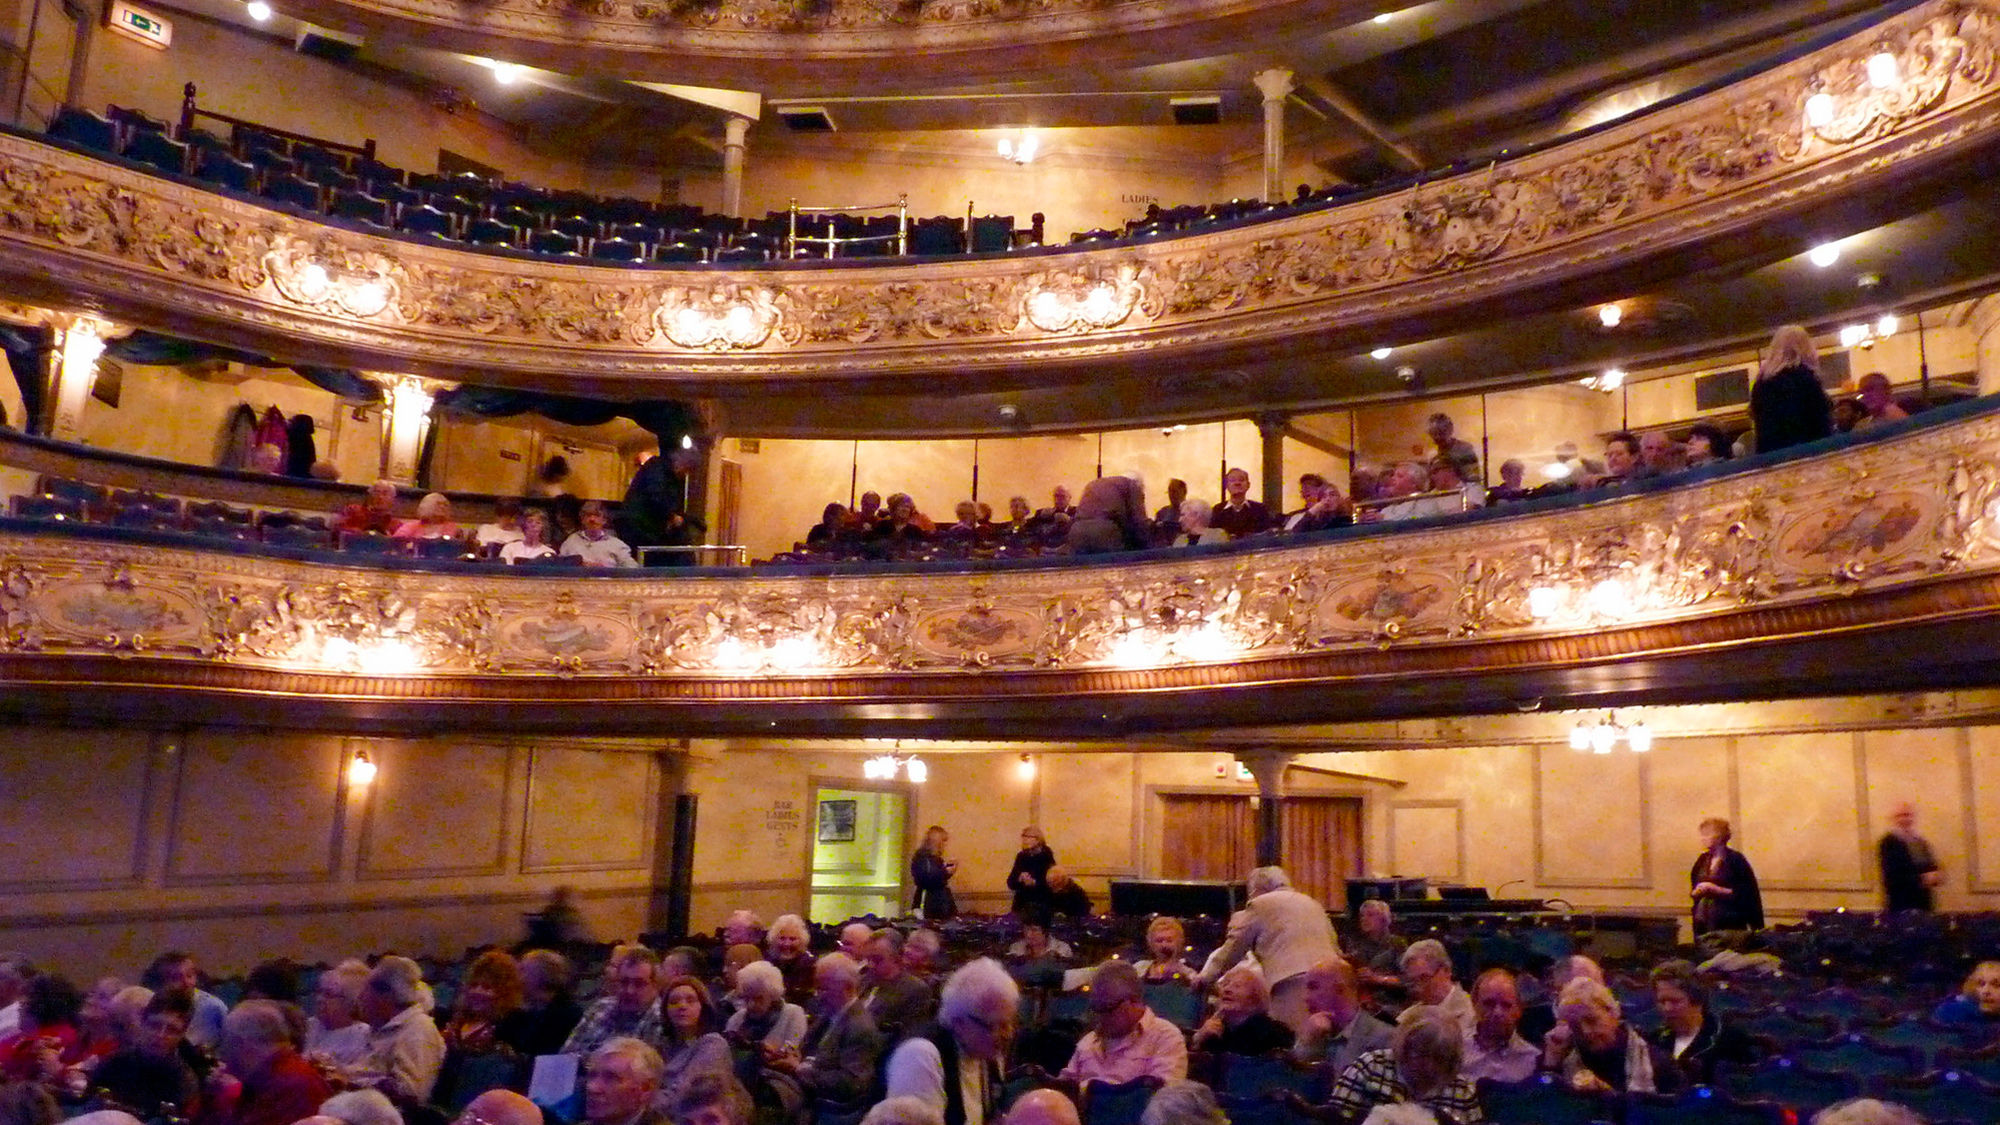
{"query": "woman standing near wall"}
(932, 873)
(1029, 879)
(1723, 886)
(1788, 406)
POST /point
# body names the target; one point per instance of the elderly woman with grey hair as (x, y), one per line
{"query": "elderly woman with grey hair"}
(1195, 527)
(1183, 1102)
(405, 1049)
(1242, 1023)
(335, 1033)
(1597, 1052)
(361, 1107)
(1419, 1068)
(765, 1018)
(789, 947)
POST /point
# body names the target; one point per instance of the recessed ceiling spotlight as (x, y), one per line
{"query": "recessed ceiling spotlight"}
(1384, 17)
(258, 10)
(506, 74)
(1611, 315)
(1825, 254)
(1381, 353)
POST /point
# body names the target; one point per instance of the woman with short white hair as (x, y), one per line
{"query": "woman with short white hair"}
(765, 1018)
(1242, 1023)
(1195, 530)
(788, 946)
(334, 1032)
(1597, 1052)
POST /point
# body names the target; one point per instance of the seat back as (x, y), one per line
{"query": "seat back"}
(1784, 1081)
(82, 127)
(1257, 1075)
(1175, 1003)
(1951, 1095)
(1700, 1106)
(157, 150)
(1118, 1103)
(992, 234)
(1543, 1100)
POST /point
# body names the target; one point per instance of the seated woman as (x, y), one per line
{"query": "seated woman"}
(1194, 525)
(766, 1021)
(901, 523)
(1038, 959)
(834, 526)
(49, 1041)
(690, 1044)
(1694, 1037)
(788, 946)
(488, 1019)
(966, 525)
(1978, 1001)
(1166, 944)
(433, 520)
(336, 1034)
(1596, 1051)
(533, 543)
(1242, 1023)
(506, 525)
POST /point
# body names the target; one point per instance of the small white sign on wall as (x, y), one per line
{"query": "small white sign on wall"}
(134, 22)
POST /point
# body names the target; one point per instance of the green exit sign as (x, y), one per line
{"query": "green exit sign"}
(137, 23)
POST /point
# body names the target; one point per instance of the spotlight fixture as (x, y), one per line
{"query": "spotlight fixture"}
(1601, 736)
(1825, 254)
(1883, 70)
(1611, 315)
(1381, 353)
(360, 768)
(1819, 110)
(258, 10)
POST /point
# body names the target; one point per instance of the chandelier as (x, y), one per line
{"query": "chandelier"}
(1602, 736)
(883, 767)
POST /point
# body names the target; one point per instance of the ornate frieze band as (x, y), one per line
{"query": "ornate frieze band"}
(169, 254)
(1885, 519)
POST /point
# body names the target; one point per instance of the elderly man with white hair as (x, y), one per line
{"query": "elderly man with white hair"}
(1596, 1051)
(1427, 974)
(896, 1000)
(842, 1045)
(854, 941)
(334, 1031)
(404, 1046)
(1288, 931)
(1127, 1040)
(620, 1083)
(1421, 1068)
(954, 1067)
(279, 1085)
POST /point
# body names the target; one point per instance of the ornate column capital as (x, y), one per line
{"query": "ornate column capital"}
(1268, 767)
(1276, 84)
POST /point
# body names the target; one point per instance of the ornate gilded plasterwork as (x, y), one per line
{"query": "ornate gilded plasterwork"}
(1717, 162)
(1874, 519)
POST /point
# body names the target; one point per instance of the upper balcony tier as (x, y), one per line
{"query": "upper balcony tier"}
(1697, 198)
(1856, 566)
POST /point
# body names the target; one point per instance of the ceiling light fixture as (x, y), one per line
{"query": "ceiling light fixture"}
(883, 767)
(1020, 151)
(1819, 110)
(506, 74)
(1601, 736)
(1381, 353)
(258, 10)
(1883, 70)
(1824, 255)
(1865, 335)
(1611, 315)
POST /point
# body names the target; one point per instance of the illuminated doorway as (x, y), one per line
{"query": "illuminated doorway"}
(860, 853)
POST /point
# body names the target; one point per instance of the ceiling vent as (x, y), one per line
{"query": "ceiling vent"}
(806, 118)
(322, 43)
(1205, 110)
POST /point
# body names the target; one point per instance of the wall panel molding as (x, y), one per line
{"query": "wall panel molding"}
(133, 873)
(191, 913)
(186, 802)
(535, 826)
(1420, 811)
(1588, 799)
(442, 818)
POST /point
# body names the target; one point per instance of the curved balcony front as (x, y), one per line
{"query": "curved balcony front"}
(1740, 174)
(1847, 567)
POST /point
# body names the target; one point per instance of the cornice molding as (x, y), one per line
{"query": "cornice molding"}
(1899, 533)
(1727, 167)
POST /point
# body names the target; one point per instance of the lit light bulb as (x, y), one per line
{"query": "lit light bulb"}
(1611, 380)
(258, 10)
(1611, 316)
(1639, 737)
(687, 441)
(1886, 325)
(360, 770)
(1882, 70)
(1603, 737)
(1819, 110)
(1825, 254)
(918, 772)
(1579, 736)
(1381, 353)
(506, 74)
(1026, 769)
(1853, 336)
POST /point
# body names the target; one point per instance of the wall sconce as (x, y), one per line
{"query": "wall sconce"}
(360, 768)
(883, 767)
(1026, 769)
(1612, 379)
(1602, 736)
(1020, 151)
(1865, 335)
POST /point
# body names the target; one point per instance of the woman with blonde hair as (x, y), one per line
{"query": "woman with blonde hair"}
(1166, 945)
(1788, 406)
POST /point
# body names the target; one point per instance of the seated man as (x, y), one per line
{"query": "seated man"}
(1337, 1030)
(178, 970)
(376, 513)
(1621, 460)
(405, 1047)
(1537, 1019)
(1065, 897)
(619, 1083)
(1043, 1107)
(630, 1008)
(1495, 1048)
(854, 942)
(1421, 1067)
(500, 1107)
(1661, 454)
(712, 1100)
(897, 1000)
(595, 544)
(506, 525)
(1406, 484)
(1238, 514)
(1878, 402)
(923, 957)
(279, 1085)
(1127, 1040)
(1427, 974)
(954, 1068)
(837, 1061)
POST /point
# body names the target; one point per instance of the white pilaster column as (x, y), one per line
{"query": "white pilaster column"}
(1985, 323)
(733, 131)
(406, 416)
(1276, 85)
(79, 341)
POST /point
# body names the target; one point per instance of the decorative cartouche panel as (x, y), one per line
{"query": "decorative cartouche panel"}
(1907, 90)
(1872, 518)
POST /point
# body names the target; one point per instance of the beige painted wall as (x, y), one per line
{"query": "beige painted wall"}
(167, 413)
(242, 845)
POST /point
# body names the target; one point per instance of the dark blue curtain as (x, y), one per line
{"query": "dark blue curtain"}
(668, 421)
(27, 356)
(154, 349)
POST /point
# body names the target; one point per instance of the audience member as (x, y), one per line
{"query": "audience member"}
(1054, 520)
(178, 970)
(375, 514)
(49, 1038)
(277, 979)
(836, 525)
(279, 1085)
(505, 528)
(1427, 973)
(500, 1107)
(1377, 951)
(976, 1014)
(691, 1042)
(433, 520)
(965, 524)
(1463, 457)
(923, 957)
(734, 960)
(766, 1020)
(913, 1111)
(1238, 515)
(1180, 1102)
(1444, 478)
(1512, 486)
(897, 1001)
(336, 1033)
(1660, 454)
(1692, 1035)
(1495, 1048)
(1287, 930)
(1337, 1029)
(1707, 444)
(1723, 886)
(1594, 1049)
(1110, 516)
(620, 1083)
(1539, 1017)
(1621, 460)
(1878, 402)
(1407, 490)
(1788, 406)
(1866, 1111)
(1977, 1002)
(931, 872)
(547, 1007)
(1126, 1040)
(742, 927)
(788, 948)
(14, 974)
(1038, 960)
(1018, 516)
(552, 481)
(150, 1075)
(1910, 872)
(1066, 896)
(842, 1045)
(630, 1010)
(1166, 949)
(361, 1107)
(1846, 415)
(1421, 1067)
(533, 543)
(1242, 1023)
(654, 512)
(97, 1027)
(867, 512)
(1195, 527)
(488, 1016)
(854, 938)
(404, 1048)
(901, 524)
(1028, 878)
(594, 543)
(1167, 521)
(711, 1101)
(1311, 487)
(1043, 1106)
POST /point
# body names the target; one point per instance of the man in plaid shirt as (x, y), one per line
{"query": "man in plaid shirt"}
(1422, 1067)
(632, 1010)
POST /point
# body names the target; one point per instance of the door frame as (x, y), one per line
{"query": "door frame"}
(815, 785)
